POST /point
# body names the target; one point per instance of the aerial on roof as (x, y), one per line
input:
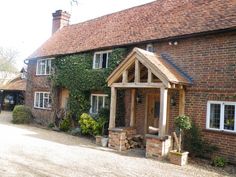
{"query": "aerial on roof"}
(157, 20)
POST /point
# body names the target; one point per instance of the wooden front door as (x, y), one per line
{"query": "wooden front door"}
(153, 112)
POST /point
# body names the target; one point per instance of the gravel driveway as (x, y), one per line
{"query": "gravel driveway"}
(30, 151)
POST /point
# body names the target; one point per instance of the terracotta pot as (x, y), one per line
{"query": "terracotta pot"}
(178, 158)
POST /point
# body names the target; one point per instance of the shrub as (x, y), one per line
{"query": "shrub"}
(51, 125)
(87, 124)
(65, 125)
(90, 126)
(183, 122)
(196, 145)
(219, 161)
(21, 115)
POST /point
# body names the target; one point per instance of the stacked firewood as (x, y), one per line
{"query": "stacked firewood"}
(134, 142)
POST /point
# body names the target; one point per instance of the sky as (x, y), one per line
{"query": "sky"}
(26, 24)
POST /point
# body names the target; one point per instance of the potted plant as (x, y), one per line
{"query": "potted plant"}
(99, 132)
(177, 156)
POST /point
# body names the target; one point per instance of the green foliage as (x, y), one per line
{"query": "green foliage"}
(21, 115)
(87, 124)
(75, 73)
(219, 161)
(183, 122)
(51, 125)
(65, 124)
(195, 144)
(90, 126)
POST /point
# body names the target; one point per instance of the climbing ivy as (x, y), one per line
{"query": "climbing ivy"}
(75, 73)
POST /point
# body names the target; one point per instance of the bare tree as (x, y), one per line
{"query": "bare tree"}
(7, 64)
(7, 60)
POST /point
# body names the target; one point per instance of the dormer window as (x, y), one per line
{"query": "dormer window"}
(150, 48)
(100, 59)
(43, 67)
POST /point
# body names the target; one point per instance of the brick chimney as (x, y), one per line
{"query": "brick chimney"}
(60, 19)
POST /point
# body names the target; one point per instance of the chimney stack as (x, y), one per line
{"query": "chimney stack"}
(60, 19)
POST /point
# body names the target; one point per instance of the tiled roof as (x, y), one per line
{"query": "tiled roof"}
(152, 61)
(157, 20)
(16, 84)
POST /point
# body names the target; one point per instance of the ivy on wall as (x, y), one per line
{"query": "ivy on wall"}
(75, 73)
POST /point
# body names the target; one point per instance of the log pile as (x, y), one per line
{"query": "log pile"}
(134, 142)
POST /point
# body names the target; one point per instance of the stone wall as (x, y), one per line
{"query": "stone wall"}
(118, 137)
(157, 147)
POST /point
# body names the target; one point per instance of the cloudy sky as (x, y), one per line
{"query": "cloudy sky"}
(26, 24)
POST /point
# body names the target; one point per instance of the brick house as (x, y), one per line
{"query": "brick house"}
(182, 61)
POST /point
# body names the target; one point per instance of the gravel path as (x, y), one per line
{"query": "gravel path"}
(30, 151)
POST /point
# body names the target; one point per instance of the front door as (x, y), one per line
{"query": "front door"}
(153, 112)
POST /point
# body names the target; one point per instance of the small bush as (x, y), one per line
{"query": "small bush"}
(183, 122)
(21, 115)
(65, 125)
(87, 124)
(195, 144)
(219, 161)
(51, 125)
(90, 126)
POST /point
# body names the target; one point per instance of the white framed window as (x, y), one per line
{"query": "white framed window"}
(100, 59)
(150, 48)
(43, 67)
(42, 100)
(98, 101)
(221, 115)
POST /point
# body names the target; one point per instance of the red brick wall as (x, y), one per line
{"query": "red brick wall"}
(210, 61)
(34, 84)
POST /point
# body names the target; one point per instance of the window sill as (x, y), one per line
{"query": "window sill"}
(45, 109)
(219, 132)
(42, 74)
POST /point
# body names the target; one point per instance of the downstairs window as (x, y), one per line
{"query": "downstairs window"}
(42, 100)
(221, 115)
(98, 101)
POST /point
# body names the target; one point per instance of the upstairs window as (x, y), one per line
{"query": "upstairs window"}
(150, 48)
(221, 115)
(100, 59)
(42, 100)
(43, 67)
(98, 101)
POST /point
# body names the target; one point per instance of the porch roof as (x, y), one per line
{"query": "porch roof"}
(161, 68)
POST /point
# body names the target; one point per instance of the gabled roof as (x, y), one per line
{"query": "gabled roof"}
(157, 20)
(157, 65)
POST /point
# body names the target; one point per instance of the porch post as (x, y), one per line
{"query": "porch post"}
(181, 102)
(133, 106)
(163, 111)
(112, 122)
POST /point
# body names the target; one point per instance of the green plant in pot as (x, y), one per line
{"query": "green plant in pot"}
(178, 157)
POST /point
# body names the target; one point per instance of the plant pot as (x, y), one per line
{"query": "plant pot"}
(98, 140)
(104, 141)
(178, 158)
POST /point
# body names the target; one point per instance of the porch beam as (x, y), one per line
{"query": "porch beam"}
(133, 108)
(163, 111)
(112, 122)
(181, 102)
(149, 76)
(125, 77)
(137, 72)
(138, 85)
